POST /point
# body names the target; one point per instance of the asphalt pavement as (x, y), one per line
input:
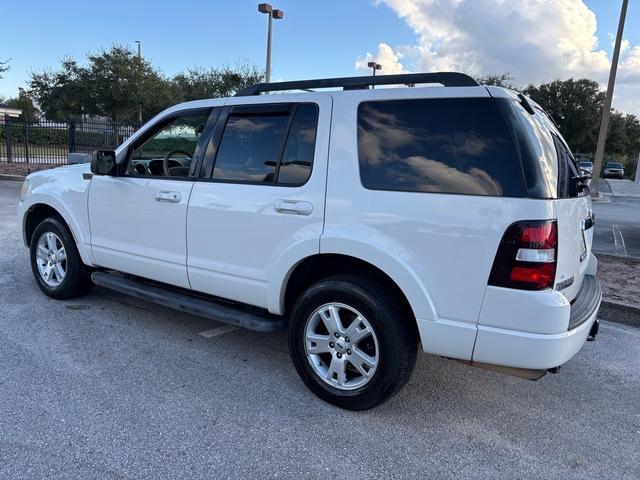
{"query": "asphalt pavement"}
(107, 386)
(617, 227)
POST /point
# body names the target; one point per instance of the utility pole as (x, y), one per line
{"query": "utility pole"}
(374, 66)
(140, 71)
(278, 15)
(606, 108)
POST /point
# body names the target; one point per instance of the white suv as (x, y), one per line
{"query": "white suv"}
(364, 221)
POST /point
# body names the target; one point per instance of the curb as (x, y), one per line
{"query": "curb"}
(619, 313)
(12, 178)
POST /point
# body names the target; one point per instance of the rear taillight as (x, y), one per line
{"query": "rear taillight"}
(526, 257)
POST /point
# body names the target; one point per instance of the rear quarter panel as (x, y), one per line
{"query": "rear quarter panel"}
(438, 248)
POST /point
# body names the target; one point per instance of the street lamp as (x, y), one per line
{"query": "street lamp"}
(278, 15)
(374, 66)
(140, 67)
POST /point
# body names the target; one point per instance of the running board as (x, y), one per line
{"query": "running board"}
(191, 304)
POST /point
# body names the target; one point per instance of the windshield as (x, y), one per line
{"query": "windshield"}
(586, 164)
(614, 165)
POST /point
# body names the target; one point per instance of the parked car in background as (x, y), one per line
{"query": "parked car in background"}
(614, 170)
(366, 222)
(586, 167)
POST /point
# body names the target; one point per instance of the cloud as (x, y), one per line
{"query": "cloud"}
(386, 56)
(535, 40)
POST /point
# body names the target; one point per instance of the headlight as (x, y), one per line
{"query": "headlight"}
(25, 189)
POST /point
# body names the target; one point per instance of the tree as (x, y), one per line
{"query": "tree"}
(4, 66)
(198, 83)
(575, 106)
(122, 83)
(63, 93)
(23, 102)
(617, 139)
(499, 80)
(632, 128)
(116, 84)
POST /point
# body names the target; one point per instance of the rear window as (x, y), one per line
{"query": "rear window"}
(444, 145)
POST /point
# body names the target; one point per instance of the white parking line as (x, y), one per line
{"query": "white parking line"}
(214, 332)
(618, 240)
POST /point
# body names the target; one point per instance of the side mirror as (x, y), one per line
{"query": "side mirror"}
(103, 162)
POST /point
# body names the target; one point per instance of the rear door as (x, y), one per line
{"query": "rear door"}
(572, 205)
(258, 207)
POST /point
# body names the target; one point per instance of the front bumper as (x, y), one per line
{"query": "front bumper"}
(521, 349)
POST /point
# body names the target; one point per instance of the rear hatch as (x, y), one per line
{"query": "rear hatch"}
(573, 211)
(575, 235)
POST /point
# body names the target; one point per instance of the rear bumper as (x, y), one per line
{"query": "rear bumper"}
(521, 349)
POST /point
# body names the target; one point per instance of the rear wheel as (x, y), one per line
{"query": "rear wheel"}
(351, 342)
(56, 263)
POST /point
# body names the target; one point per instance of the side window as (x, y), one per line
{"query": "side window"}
(269, 147)
(297, 160)
(444, 145)
(170, 151)
(250, 148)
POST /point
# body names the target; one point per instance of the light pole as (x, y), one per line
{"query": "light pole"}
(140, 68)
(606, 108)
(374, 66)
(278, 15)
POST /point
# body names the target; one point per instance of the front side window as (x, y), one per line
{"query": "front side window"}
(268, 148)
(170, 151)
(448, 145)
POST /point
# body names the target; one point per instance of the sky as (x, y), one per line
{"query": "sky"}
(535, 40)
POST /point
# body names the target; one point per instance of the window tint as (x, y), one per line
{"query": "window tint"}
(250, 148)
(169, 152)
(437, 145)
(297, 159)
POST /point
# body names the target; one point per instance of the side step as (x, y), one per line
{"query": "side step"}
(191, 304)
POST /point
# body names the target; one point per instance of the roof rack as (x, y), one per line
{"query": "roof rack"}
(448, 79)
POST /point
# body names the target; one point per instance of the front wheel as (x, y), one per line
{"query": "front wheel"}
(351, 342)
(56, 263)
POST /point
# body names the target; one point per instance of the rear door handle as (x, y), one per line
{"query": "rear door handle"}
(294, 207)
(171, 197)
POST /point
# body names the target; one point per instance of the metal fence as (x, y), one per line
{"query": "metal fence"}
(45, 142)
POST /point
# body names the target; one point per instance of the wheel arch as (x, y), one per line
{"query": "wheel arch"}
(322, 265)
(38, 211)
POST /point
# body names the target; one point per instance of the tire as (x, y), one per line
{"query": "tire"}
(390, 350)
(72, 278)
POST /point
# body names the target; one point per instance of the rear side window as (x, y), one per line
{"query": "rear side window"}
(273, 147)
(444, 145)
(250, 148)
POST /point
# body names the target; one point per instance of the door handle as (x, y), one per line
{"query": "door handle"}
(171, 197)
(294, 207)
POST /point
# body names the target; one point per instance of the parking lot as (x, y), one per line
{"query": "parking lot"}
(617, 227)
(107, 386)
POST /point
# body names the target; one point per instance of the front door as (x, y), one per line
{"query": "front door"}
(138, 218)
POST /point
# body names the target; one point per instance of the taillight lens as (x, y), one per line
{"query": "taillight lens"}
(526, 257)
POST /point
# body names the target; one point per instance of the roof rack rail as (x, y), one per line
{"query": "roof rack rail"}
(448, 79)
